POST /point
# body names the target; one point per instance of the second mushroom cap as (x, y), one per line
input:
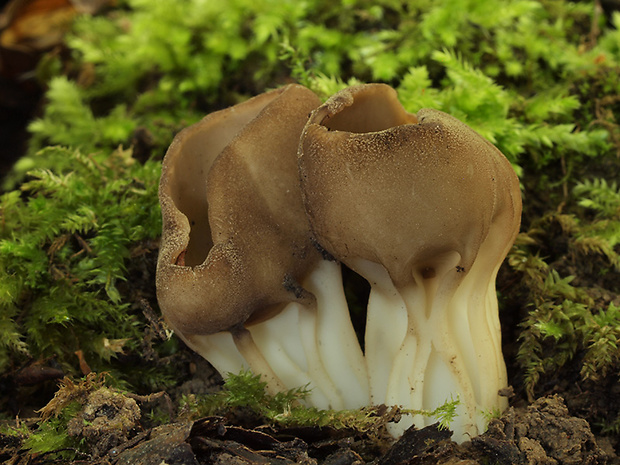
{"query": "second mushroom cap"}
(397, 188)
(425, 209)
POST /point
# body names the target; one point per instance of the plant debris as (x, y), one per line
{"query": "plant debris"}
(105, 421)
(542, 433)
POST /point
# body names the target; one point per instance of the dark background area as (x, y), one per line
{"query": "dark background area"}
(20, 92)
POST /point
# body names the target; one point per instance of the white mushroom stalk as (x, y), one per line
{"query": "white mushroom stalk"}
(238, 277)
(426, 210)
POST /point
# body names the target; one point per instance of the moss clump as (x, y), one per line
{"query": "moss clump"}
(83, 419)
(66, 239)
(574, 289)
(51, 435)
(247, 391)
(508, 69)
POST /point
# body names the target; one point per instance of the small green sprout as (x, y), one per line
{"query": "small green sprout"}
(246, 390)
(51, 436)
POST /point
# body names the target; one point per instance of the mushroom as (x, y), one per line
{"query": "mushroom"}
(238, 278)
(425, 209)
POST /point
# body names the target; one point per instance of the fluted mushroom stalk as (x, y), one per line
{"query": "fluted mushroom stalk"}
(238, 277)
(426, 210)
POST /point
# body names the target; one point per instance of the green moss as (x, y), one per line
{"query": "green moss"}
(576, 313)
(51, 436)
(506, 67)
(66, 238)
(247, 391)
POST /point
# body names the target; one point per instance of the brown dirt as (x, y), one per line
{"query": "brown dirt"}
(543, 433)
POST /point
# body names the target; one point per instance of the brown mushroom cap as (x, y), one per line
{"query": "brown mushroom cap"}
(402, 190)
(425, 209)
(235, 240)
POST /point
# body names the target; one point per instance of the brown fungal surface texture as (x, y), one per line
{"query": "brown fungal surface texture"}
(425, 209)
(231, 212)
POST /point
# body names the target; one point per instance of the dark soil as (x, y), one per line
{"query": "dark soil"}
(541, 433)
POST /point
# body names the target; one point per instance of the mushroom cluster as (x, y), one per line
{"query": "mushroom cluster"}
(261, 202)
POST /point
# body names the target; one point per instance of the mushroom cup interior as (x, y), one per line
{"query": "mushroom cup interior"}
(371, 111)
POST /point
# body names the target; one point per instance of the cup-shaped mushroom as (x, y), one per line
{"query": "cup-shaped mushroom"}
(238, 278)
(426, 210)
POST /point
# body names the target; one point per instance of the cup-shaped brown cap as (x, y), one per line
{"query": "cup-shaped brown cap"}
(235, 239)
(402, 190)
